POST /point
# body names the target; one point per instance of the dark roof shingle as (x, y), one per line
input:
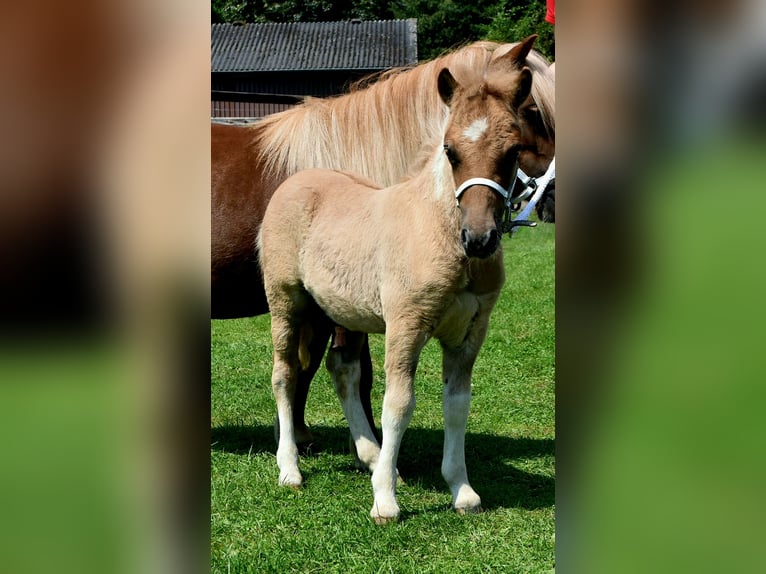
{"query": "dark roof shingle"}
(301, 46)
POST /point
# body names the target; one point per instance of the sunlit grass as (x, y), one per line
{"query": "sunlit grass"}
(257, 526)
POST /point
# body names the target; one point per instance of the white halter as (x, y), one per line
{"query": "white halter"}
(533, 187)
(504, 193)
(538, 185)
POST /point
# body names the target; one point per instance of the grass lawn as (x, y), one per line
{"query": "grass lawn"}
(257, 526)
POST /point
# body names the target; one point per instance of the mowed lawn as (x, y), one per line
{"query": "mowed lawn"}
(258, 526)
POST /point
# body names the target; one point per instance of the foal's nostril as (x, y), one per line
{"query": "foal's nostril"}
(480, 246)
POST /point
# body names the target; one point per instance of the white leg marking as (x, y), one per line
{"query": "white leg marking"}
(456, 407)
(394, 422)
(283, 378)
(346, 380)
(287, 451)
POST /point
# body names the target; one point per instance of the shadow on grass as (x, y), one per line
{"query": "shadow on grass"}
(492, 460)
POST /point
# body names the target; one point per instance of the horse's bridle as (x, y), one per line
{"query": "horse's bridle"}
(534, 187)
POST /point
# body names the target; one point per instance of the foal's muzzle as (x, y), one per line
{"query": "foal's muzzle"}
(480, 246)
(483, 245)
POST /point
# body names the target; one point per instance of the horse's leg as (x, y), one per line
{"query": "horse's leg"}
(316, 348)
(344, 366)
(403, 346)
(286, 337)
(365, 384)
(365, 391)
(457, 366)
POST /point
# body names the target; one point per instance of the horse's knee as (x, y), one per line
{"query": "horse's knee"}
(398, 406)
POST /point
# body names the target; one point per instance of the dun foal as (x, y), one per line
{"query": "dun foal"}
(417, 260)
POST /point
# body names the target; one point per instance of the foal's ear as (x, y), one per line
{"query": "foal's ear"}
(523, 88)
(447, 85)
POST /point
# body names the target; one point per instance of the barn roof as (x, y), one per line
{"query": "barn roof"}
(302, 46)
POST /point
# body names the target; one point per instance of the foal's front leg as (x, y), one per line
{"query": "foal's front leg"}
(403, 348)
(457, 366)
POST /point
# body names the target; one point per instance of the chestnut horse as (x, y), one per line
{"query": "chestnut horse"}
(418, 260)
(378, 131)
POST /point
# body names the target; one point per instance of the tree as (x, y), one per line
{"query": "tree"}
(516, 21)
(441, 24)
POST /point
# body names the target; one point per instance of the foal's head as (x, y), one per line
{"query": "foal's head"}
(482, 142)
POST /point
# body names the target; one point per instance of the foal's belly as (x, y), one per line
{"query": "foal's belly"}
(351, 312)
(348, 297)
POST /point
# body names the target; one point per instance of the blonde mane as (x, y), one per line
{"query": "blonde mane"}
(379, 129)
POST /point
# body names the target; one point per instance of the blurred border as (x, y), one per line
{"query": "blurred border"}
(104, 266)
(104, 263)
(658, 286)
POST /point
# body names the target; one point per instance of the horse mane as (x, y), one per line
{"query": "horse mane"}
(379, 128)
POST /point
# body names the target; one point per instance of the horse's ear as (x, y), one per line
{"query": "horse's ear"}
(520, 51)
(523, 88)
(447, 84)
(515, 58)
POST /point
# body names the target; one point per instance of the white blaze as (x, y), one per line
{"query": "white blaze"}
(476, 129)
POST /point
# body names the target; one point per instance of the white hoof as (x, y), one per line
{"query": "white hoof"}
(385, 513)
(293, 479)
(467, 501)
(471, 510)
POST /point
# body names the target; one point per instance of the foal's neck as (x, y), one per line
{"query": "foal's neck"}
(438, 185)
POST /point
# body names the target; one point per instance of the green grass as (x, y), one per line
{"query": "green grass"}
(257, 526)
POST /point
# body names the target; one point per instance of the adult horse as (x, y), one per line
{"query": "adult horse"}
(377, 131)
(418, 260)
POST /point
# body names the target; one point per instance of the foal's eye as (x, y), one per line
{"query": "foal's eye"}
(451, 154)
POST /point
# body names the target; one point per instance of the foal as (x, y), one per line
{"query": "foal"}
(417, 260)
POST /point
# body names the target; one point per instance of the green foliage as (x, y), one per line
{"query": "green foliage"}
(512, 23)
(257, 526)
(441, 24)
(299, 10)
(444, 24)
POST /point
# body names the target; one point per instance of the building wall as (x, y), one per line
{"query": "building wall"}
(220, 109)
(317, 84)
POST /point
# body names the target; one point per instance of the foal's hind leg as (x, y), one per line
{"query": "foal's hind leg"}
(316, 345)
(344, 365)
(285, 335)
